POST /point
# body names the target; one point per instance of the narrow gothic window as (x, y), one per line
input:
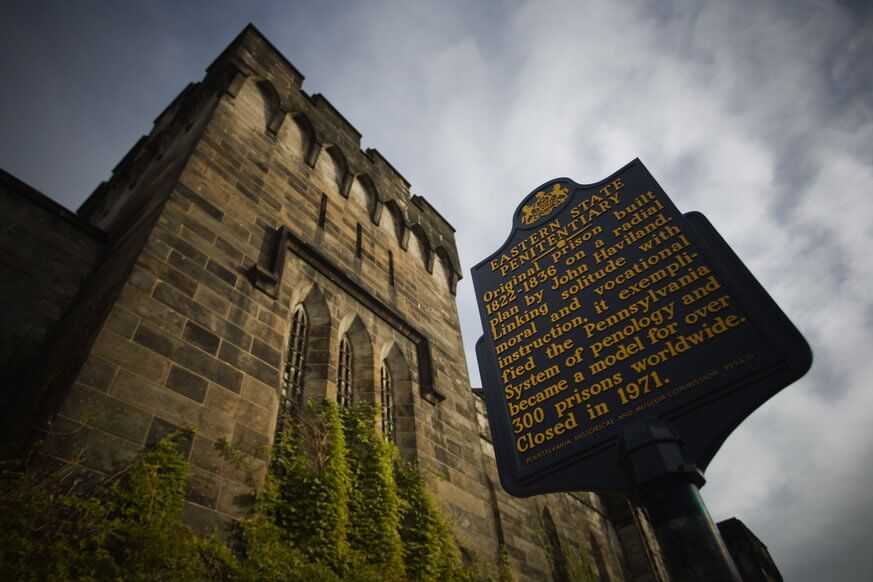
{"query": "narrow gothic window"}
(390, 268)
(554, 551)
(344, 374)
(388, 418)
(322, 211)
(358, 241)
(292, 376)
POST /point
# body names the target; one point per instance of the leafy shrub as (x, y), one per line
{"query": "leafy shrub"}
(337, 505)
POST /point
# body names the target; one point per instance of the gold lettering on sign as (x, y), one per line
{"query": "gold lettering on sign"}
(544, 204)
(587, 313)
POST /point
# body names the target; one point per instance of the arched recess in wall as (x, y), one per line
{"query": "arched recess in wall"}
(271, 104)
(419, 245)
(137, 168)
(554, 550)
(163, 143)
(310, 136)
(184, 117)
(392, 221)
(331, 170)
(293, 139)
(404, 402)
(316, 368)
(363, 364)
(443, 269)
(257, 101)
(364, 195)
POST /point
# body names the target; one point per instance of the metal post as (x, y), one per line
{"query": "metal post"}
(667, 487)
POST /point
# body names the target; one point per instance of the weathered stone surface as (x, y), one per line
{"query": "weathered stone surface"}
(187, 384)
(46, 254)
(97, 373)
(209, 252)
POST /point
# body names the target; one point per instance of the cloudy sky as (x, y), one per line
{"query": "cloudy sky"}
(759, 114)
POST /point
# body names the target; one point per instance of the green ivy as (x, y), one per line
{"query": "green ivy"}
(374, 503)
(129, 528)
(307, 493)
(337, 505)
(429, 549)
(574, 566)
(504, 571)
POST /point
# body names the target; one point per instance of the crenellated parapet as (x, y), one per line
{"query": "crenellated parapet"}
(252, 58)
(244, 257)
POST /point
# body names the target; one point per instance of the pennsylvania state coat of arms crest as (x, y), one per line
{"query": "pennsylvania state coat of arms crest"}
(543, 204)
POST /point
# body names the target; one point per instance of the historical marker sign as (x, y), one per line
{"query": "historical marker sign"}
(606, 303)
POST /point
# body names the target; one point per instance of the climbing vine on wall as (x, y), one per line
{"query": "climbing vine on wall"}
(338, 504)
(567, 564)
(127, 528)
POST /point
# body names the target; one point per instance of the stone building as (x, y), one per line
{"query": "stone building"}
(246, 255)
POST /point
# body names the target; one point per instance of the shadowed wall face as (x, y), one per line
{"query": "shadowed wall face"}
(249, 202)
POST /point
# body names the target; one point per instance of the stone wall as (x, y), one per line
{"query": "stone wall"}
(46, 254)
(250, 200)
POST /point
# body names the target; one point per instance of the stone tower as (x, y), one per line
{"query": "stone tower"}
(245, 255)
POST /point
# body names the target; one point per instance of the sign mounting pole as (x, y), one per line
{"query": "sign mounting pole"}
(663, 483)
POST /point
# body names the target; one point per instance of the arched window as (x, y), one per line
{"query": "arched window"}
(344, 373)
(401, 413)
(389, 420)
(292, 376)
(554, 551)
(598, 558)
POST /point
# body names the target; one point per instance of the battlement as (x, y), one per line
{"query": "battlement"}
(247, 256)
(250, 56)
(262, 61)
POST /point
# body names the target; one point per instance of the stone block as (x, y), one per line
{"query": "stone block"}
(190, 357)
(97, 373)
(255, 416)
(142, 279)
(122, 321)
(118, 350)
(100, 410)
(181, 436)
(149, 396)
(151, 310)
(222, 273)
(229, 249)
(191, 228)
(212, 300)
(243, 469)
(265, 352)
(205, 521)
(201, 203)
(248, 364)
(184, 251)
(236, 499)
(200, 337)
(261, 394)
(203, 488)
(93, 448)
(198, 313)
(251, 441)
(187, 384)
(168, 274)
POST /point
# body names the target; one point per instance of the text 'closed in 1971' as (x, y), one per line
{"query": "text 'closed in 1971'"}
(590, 313)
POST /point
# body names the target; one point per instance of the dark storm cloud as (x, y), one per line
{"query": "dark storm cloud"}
(759, 114)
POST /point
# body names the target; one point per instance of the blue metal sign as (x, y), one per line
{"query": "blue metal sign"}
(606, 303)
